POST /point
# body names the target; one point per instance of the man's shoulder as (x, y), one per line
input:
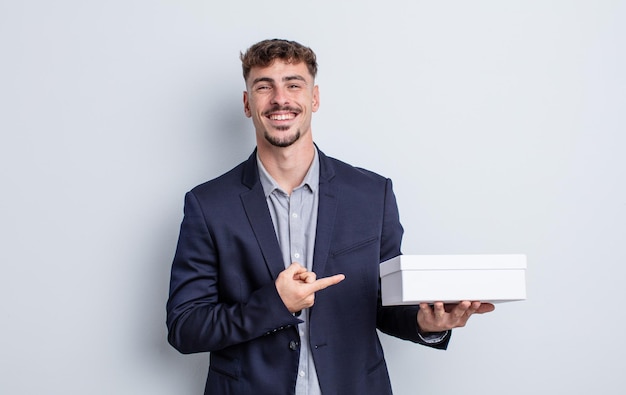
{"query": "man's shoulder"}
(227, 183)
(347, 171)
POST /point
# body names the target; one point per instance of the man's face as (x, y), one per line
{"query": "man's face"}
(280, 99)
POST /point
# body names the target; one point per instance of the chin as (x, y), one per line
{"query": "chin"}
(282, 142)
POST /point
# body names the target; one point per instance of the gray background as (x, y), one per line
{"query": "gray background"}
(501, 124)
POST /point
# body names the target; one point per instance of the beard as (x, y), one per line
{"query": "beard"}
(287, 140)
(283, 142)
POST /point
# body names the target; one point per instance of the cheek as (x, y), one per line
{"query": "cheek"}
(257, 106)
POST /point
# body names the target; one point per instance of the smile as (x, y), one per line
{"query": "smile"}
(282, 117)
(282, 113)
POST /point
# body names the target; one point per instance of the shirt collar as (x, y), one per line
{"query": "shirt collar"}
(311, 179)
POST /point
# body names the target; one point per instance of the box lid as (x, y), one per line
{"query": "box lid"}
(453, 262)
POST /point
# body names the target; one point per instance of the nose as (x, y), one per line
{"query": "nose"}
(279, 96)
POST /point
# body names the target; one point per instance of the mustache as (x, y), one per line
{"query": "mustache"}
(278, 108)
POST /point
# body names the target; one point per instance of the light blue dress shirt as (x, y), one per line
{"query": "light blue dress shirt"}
(295, 222)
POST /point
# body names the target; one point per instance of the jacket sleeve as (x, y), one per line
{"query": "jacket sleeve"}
(197, 319)
(398, 321)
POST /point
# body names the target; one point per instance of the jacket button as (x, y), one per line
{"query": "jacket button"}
(293, 345)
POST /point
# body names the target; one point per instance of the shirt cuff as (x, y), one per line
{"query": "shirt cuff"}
(433, 337)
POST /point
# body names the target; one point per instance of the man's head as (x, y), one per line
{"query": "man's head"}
(281, 94)
(264, 53)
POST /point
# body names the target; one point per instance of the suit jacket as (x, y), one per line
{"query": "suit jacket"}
(223, 298)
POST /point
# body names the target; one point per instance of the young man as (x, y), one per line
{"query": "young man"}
(276, 269)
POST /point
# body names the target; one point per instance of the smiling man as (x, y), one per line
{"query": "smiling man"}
(280, 100)
(276, 268)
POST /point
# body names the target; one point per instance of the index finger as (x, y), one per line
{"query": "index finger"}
(326, 282)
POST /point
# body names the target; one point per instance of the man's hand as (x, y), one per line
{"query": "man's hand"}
(296, 286)
(442, 317)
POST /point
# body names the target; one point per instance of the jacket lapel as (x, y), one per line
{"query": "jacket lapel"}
(326, 215)
(259, 216)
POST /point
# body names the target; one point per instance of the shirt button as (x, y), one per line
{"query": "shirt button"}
(293, 345)
(295, 215)
(296, 255)
(301, 373)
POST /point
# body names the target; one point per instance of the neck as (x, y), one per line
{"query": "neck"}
(287, 165)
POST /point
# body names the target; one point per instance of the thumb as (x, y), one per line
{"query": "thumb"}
(295, 271)
(295, 268)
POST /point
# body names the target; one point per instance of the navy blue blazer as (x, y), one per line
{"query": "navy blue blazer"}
(223, 299)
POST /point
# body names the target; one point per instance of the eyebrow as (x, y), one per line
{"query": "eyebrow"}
(287, 78)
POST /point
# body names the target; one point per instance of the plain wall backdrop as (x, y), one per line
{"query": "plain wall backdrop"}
(501, 123)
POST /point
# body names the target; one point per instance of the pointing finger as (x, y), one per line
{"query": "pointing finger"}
(327, 282)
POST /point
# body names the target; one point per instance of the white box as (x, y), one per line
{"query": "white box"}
(413, 279)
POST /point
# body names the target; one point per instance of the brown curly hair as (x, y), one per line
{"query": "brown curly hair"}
(263, 54)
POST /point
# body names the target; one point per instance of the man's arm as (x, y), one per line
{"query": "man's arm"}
(197, 319)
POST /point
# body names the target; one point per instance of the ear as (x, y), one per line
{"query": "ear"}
(316, 98)
(246, 104)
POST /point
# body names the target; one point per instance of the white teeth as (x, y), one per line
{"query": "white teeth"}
(281, 117)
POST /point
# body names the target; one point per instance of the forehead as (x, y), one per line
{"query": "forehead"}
(279, 70)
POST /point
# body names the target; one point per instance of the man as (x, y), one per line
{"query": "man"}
(276, 269)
